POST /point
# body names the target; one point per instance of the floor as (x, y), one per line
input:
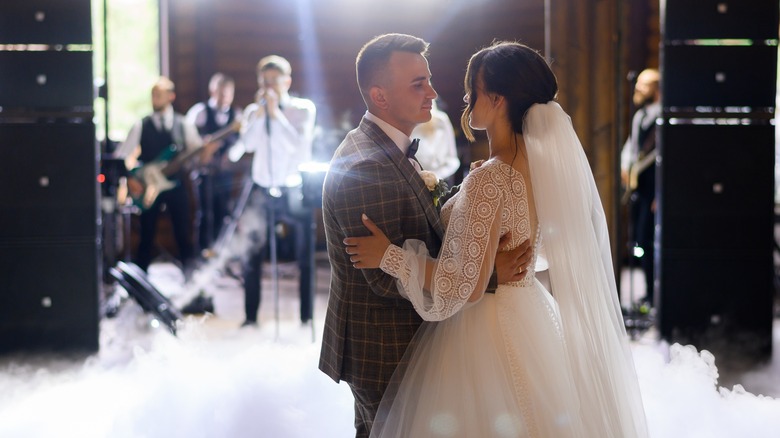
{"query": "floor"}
(759, 375)
(216, 378)
(280, 313)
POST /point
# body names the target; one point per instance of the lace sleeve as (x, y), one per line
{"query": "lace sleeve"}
(405, 264)
(465, 260)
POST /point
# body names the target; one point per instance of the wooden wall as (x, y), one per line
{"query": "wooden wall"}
(321, 39)
(593, 45)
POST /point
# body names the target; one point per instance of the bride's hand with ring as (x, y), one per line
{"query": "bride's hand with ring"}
(367, 252)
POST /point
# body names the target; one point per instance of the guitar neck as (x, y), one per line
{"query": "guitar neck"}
(175, 164)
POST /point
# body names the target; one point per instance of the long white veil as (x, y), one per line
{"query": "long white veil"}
(576, 241)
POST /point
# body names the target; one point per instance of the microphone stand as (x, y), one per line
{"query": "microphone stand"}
(272, 223)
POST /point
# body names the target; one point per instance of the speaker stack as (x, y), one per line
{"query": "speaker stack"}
(49, 221)
(715, 177)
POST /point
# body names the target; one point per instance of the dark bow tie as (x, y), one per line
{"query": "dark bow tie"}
(413, 148)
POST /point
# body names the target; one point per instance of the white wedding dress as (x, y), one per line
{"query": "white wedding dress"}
(514, 363)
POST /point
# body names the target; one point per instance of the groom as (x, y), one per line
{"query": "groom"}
(369, 325)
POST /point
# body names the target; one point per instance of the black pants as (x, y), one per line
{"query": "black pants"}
(214, 192)
(643, 220)
(366, 407)
(261, 202)
(178, 206)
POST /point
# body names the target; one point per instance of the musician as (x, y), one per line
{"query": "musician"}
(214, 179)
(440, 155)
(147, 142)
(637, 164)
(278, 129)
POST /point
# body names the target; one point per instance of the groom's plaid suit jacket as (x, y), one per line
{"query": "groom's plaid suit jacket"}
(368, 324)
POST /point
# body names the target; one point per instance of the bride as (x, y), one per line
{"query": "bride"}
(523, 362)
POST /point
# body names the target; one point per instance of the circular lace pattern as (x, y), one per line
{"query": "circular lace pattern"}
(493, 191)
(493, 200)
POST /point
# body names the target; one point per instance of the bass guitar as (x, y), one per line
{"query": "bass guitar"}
(154, 175)
(633, 174)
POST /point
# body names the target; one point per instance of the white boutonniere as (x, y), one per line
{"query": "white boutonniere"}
(437, 187)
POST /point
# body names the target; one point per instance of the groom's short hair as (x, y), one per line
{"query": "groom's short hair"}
(375, 54)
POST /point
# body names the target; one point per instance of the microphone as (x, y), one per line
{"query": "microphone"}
(267, 118)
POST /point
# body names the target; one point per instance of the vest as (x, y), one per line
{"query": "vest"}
(211, 127)
(154, 142)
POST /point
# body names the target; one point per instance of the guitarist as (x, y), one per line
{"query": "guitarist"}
(145, 142)
(215, 177)
(637, 164)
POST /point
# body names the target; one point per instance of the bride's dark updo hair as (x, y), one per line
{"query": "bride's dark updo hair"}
(512, 70)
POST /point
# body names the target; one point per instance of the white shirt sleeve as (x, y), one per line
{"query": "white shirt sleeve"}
(132, 141)
(192, 138)
(197, 115)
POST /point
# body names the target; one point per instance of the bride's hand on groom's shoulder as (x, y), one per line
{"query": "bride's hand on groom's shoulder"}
(367, 252)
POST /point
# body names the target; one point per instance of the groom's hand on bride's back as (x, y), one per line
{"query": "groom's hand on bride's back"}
(512, 265)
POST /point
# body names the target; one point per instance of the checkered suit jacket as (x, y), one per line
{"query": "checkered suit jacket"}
(368, 324)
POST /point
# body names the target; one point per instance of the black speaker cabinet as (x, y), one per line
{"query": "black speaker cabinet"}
(50, 180)
(46, 80)
(716, 298)
(46, 22)
(49, 236)
(715, 240)
(719, 76)
(49, 294)
(718, 19)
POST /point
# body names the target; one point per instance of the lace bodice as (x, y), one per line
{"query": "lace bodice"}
(493, 200)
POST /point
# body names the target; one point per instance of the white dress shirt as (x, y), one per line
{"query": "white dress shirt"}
(437, 152)
(197, 114)
(291, 137)
(399, 138)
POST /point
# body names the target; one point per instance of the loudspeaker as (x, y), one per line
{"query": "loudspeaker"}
(46, 80)
(713, 296)
(717, 186)
(49, 220)
(50, 181)
(715, 240)
(49, 244)
(718, 19)
(46, 22)
(718, 76)
(49, 294)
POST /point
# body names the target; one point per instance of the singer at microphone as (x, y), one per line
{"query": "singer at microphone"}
(278, 129)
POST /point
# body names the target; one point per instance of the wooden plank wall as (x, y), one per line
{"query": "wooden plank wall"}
(603, 40)
(593, 44)
(321, 39)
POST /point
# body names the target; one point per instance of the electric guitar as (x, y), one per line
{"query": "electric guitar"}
(154, 175)
(633, 174)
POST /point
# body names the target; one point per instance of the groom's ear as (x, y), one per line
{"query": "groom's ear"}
(377, 95)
